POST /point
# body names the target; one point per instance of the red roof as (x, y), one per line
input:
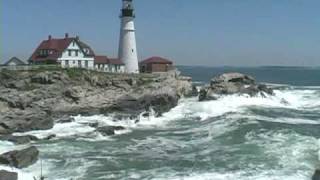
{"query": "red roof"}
(115, 61)
(106, 60)
(101, 60)
(57, 46)
(156, 60)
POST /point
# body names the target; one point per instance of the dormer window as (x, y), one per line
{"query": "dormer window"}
(69, 52)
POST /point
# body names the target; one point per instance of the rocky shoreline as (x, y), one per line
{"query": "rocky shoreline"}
(36, 100)
(32, 100)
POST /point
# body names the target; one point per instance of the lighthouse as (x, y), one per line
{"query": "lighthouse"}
(127, 45)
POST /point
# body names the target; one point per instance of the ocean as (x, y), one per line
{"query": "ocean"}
(234, 137)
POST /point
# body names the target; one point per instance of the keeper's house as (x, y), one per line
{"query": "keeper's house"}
(71, 52)
(155, 64)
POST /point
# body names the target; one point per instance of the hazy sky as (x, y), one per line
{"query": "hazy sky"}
(190, 32)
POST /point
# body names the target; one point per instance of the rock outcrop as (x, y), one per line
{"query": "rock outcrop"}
(30, 100)
(316, 175)
(20, 158)
(233, 83)
(109, 130)
(6, 175)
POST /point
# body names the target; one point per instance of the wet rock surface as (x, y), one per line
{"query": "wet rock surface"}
(109, 130)
(20, 158)
(6, 175)
(233, 83)
(316, 175)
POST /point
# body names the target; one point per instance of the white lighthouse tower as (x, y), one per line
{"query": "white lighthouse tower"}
(127, 44)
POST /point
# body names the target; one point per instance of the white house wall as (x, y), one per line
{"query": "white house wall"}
(110, 68)
(74, 60)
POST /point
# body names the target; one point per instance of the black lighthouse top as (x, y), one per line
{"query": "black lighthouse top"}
(127, 9)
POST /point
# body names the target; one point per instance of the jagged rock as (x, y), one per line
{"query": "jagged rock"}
(72, 94)
(91, 124)
(27, 120)
(6, 175)
(94, 124)
(65, 120)
(14, 102)
(17, 85)
(203, 96)
(194, 91)
(109, 130)
(19, 139)
(233, 83)
(160, 103)
(316, 175)
(42, 78)
(51, 136)
(20, 158)
(232, 78)
(4, 131)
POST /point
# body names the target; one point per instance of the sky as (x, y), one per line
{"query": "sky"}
(189, 32)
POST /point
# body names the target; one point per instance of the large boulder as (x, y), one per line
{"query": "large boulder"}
(316, 175)
(6, 175)
(109, 130)
(20, 158)
(233, 78)
(233, 83)
(27, 120)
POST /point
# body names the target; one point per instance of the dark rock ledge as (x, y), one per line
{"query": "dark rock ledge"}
(20, 158)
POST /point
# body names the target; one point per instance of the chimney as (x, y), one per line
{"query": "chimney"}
(49, 37)
(66, 35)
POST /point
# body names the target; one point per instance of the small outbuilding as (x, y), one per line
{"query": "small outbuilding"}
(155, 64)
(14, 62)
(103, 63)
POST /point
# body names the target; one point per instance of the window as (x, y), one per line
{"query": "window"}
(73, 43)
(79, 63)
(86, 64)
(76, 52)
(69, 52)
(74, 61)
